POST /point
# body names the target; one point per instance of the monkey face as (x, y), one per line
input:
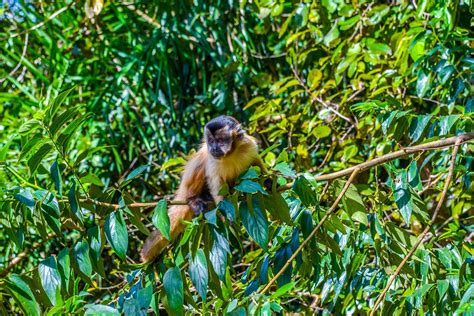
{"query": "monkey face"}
(219, 143)
(221, 134)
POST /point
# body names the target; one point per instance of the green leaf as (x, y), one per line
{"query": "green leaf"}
(218, 254)
(136, 172)
(97, 309)
(92, 178)
(173, 285)
(58, 101)
(418, 126)
(95, 241)
(251, 173)
(38, 156)
(116, 233)
(50, 278)
(144, 297)
(322, 131)
(51, 213)
(378, 48)
(468, 295)
(28, 127)
(332, 35)
(22, 294)
(4, 150)
(161, 219)
(414, 177)
(61, 119)
(31, 144)
(446, 123)
(74, 203)
(282, 290)
(56, 174)
(199, 274)
(276, 205)
(387, 121)
(445, 73)
(360, 217)
(64, 268)
(403, 196)
(285, 169)
(423, 83)
(25, 197)
(352, 201)
(442, 286)
(255, 222)
(67, 133)
(228, 208)
(248, 186)
(303, 188)
(83, 261)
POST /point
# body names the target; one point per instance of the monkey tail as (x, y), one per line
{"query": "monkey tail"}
(155, 243)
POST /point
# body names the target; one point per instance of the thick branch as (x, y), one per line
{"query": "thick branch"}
(425, 231)
(313, 232)
(398, 154)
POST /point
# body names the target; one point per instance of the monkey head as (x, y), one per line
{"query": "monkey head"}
(221, 135)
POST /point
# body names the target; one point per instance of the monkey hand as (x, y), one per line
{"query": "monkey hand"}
(199, 205)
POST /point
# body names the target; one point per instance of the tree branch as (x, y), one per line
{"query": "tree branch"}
(22, 255)
(313, 232)
(330, 176)
(425, 231)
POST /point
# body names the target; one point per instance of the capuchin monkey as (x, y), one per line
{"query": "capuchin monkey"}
(225, 153)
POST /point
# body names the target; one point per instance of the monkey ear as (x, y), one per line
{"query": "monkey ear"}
(238, 132)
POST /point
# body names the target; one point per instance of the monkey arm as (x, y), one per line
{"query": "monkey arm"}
(190, 189)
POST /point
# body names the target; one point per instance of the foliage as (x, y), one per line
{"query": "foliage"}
(101, 101)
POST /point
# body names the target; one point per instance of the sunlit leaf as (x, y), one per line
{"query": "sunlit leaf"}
(116, 233)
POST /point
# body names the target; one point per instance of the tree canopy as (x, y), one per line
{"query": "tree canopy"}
(364, 115)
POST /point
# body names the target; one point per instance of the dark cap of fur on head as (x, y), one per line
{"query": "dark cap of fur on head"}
(222, 121)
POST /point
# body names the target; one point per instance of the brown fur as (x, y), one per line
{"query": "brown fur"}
(202, 168)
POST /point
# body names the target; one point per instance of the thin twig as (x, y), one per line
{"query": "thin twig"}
(23, 54)
(313, 232)
(37, 26)
(131, 205)
(425, 231)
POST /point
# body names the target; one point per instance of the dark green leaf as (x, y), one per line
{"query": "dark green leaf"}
(38, 156)
(116, 232)
(285, 169)
(50, 278)
(199, 274)
(74, 203)
(136, 172)
(58, 101)
(303, 188)
(97, 309)
(56, 174)
(255, 222)
(403, 196)
(418, 125)
(173, 285)
(248, 186)
(161, 219)
(218, 254)
(83, 261)
(23, 295)
(25, 197)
